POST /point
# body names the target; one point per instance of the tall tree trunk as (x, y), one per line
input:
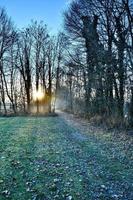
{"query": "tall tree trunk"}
(37, 83)
(3, 93)
(50, 86)
(121, 47)
(131, 108)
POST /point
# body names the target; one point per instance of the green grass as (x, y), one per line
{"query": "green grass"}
(39, 160)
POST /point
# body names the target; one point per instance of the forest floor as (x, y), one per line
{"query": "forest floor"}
(63, 158)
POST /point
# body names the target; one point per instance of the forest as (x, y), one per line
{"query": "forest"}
(86, 69)
(66, 103)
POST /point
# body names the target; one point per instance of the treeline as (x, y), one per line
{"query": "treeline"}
(29, 62)
(101, 58)
(87, 69)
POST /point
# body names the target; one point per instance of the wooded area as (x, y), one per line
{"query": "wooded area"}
(66, 101)
(87, 69)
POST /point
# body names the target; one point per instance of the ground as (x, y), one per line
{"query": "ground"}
(47, 158)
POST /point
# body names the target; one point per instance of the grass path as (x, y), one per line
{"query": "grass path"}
(46, 159)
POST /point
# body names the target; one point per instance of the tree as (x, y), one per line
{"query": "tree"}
(8, 37)
(104, 30)
(24, 61)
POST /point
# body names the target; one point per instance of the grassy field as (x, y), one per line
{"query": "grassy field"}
(45, 159)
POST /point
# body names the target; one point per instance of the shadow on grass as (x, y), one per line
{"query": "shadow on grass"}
(52, 114)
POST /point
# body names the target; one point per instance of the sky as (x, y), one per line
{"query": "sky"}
(23, 11)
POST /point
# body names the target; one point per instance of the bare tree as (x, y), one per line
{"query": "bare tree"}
(7, 39)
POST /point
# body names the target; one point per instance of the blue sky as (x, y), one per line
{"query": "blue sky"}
(23, 11)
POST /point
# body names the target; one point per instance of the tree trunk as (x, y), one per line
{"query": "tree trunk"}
(50, 87)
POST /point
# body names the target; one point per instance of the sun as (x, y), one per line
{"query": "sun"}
(38, 95)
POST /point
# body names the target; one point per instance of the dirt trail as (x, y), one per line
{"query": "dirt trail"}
(83, 125)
